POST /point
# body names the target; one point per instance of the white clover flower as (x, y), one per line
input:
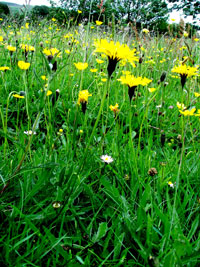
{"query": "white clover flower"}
(29, 132)
(107, 159)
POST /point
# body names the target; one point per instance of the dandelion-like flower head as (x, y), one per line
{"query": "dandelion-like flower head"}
(115, 53)
(133, 81)
(83, 96)
(185, 70)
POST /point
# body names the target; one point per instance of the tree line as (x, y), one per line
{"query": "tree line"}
(153, 14)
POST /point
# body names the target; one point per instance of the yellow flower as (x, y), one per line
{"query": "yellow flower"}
(133, 82)
(173, 19)
(81, 131)
(11, 48)
(53, 19)
(151, 90)
(49, 92)
(79, 11)
(114, 108)
(51, 52)
(27, 48)
(185, 71)
(81, 66)
(196, 39)
(27, 25)
(1, 38)
(1, 19)
(198, 113)
(4, 68)
(67, 51)
(18, 96)
(44, 78)
(188, 112)
(115, 53)
(180, 106)
(185, 34)
(196, 94)
(104, 80)
(98, 22)
(23, 65)
(93, 70)
(83, 96)
(145, 30)
(99, 61)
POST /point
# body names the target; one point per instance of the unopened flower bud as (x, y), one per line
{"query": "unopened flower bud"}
(152, 172)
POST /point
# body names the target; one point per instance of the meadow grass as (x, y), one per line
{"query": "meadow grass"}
(61, 205)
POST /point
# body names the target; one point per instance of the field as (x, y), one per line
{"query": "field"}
(99, 134)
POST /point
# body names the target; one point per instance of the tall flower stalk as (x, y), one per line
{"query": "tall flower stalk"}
(96, 122)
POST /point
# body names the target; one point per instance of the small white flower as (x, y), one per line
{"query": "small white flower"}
(51, 66)
(29, 132)
(107, 159)
(159, 106)
(171, 184)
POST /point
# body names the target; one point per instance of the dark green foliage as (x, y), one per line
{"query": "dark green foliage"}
(4, 9)
(40, 11)
(144, 13)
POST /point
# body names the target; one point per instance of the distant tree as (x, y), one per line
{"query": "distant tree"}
(99, 8)
(189, 7)
(40, 11)
(4, 9)
(143, 12)
(58, 13)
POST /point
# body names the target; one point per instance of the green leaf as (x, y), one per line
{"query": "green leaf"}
(194, 227)
(102, 230)
(118, 245)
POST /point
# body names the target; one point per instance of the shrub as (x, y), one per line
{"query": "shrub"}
(4, 9)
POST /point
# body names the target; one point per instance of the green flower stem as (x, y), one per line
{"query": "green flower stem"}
(174, 212)
(144, 117)
(25, 152)
(96, 123)
(35, 125)
(5, 123)
(26, 98)
(131, 142)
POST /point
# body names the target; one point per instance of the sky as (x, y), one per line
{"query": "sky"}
(174, 15)
(32, 2)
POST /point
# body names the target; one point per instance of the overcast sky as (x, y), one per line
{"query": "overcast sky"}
(32, 2)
